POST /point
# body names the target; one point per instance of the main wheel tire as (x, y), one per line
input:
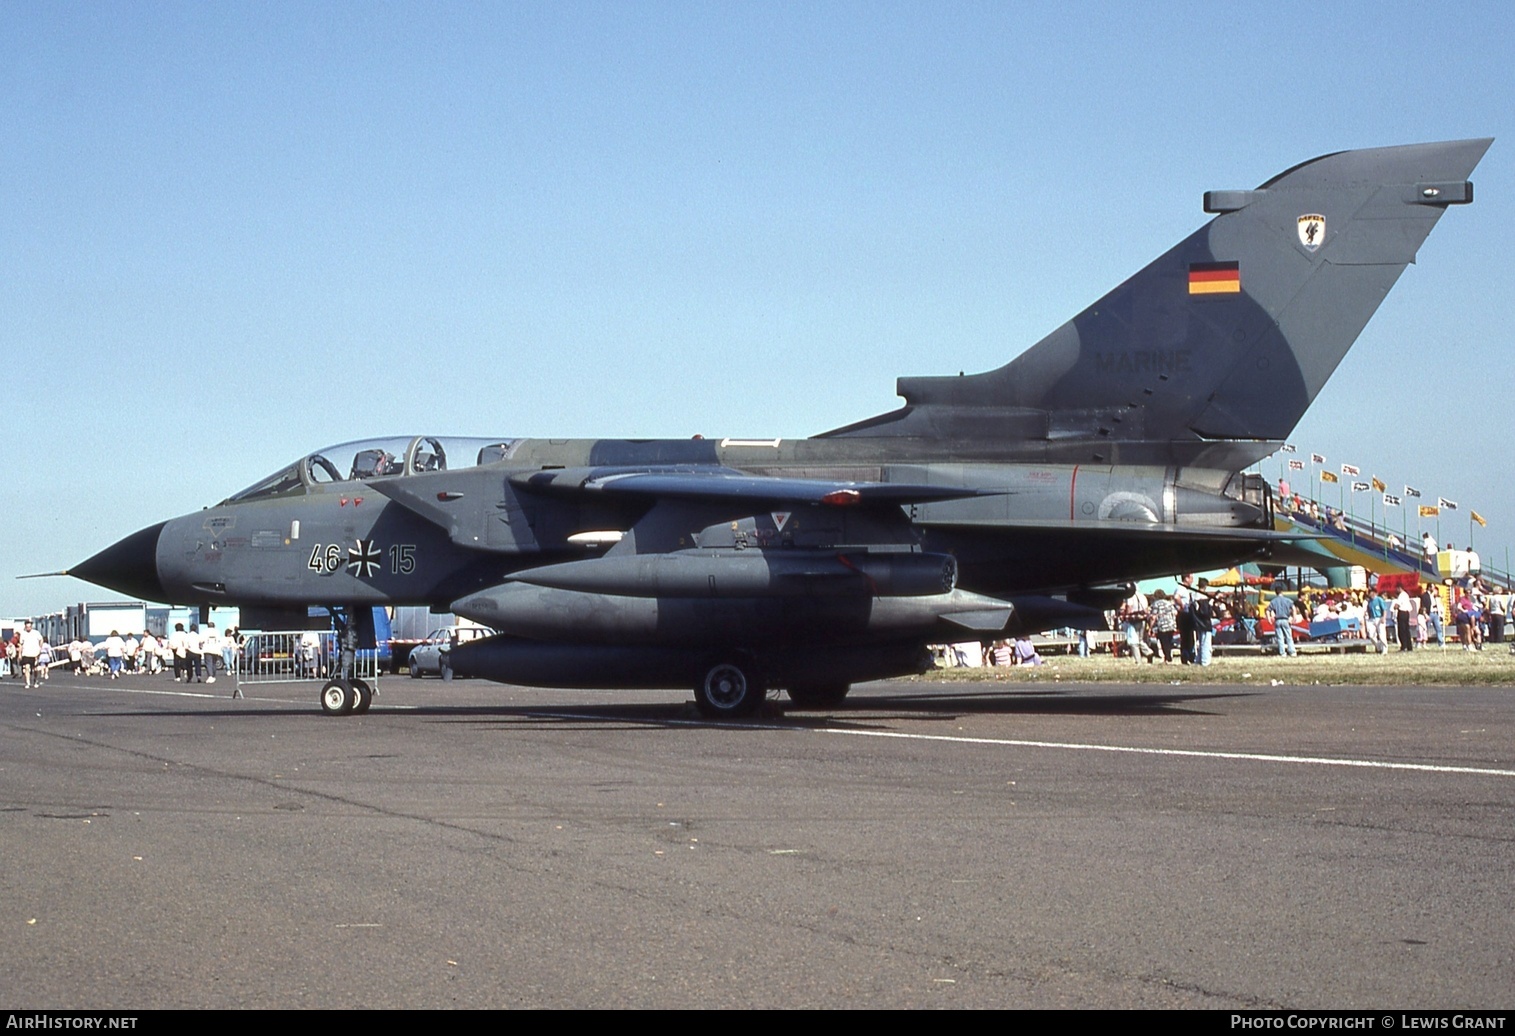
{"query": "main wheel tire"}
(819, 695)
(444, 668)
(362, 697)
(728, 689)
(337, 699)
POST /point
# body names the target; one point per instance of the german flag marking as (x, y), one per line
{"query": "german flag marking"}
(1214, 278)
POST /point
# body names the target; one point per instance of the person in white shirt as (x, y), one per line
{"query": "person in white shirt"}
(210, 651)
(158, 654)
(1133, 617)
(1496, 611)
(194, 659)
(31, 650)
(178, 644)
(229, 647)
(115, 651)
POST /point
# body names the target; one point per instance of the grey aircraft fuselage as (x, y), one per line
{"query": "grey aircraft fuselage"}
(300, 548)
(1018, 499)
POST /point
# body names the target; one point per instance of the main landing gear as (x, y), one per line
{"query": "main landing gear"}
(729, 688)
(733, 686)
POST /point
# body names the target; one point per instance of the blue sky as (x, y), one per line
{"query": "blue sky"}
(233, 233)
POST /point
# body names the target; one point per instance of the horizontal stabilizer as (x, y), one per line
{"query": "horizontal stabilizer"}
(986, 620)
(1039, 614)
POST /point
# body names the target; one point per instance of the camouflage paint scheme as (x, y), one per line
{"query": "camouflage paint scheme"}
(1019, 499)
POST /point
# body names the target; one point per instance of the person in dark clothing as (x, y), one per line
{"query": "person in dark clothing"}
(1202, 619)
(1403, 610)
(1185, 627)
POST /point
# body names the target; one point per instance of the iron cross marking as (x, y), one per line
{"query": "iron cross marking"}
(363, 560)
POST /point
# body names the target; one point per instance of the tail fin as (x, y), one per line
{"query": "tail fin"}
(1227, 336)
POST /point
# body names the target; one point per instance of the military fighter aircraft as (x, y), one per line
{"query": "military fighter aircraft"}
(1019, 499)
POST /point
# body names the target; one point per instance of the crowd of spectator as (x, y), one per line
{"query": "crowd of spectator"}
(193, 654)
(1182, 627)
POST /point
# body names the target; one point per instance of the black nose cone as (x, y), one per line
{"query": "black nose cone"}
(130, 567)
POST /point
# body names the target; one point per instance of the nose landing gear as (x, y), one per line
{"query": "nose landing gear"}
(346, 694)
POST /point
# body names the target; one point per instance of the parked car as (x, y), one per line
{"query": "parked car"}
(431, 655)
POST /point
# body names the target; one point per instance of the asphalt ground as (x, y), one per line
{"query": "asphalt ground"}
(473, 845)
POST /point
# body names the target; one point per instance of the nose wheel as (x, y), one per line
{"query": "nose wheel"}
(338, 698)
(345, 693)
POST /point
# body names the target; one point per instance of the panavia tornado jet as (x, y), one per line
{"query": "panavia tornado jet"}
(1019, 499)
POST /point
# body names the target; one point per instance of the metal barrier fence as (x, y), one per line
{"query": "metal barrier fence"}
(290, 657)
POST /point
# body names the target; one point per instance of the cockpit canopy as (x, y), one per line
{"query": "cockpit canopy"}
(378, 458)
